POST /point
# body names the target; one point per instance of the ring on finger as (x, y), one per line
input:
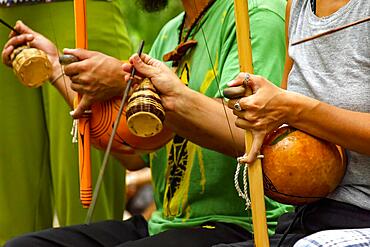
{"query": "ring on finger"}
(246, 79)
(237, 106)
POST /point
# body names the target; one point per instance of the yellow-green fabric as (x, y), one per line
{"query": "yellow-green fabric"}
(38, 162)
(192, 184)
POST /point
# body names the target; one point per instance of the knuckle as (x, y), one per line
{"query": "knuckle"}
(74, 87)
(260, 125)
(83, 67)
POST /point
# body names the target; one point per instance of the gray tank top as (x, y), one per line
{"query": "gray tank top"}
(335, 69)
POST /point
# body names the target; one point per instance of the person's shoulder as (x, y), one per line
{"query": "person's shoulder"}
(275, 6)
(173, 24)
(226, 4)
(167, 39)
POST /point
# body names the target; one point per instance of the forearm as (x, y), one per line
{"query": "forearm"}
(202, 120)
(346, 128)
(130, 162)
(63, 84)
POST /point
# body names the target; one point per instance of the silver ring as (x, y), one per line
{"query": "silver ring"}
(246, 79)
(260, 156)
(237, 106)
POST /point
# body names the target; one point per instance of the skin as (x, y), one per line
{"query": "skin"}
(270, 106)
(99, 77)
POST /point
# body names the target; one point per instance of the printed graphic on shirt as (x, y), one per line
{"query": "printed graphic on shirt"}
(185, 74)
(177, 161)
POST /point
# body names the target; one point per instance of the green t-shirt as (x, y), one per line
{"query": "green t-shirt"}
(194, 185)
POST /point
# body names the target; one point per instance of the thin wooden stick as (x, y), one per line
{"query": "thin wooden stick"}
(110, 142)
(8, 26)
(255, 169)
(331, 31)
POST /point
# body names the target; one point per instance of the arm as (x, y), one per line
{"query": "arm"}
(36, 40)
(197, 117)
(313, 116)
(346, 128)
(270, 106)
(130, 162)
(193, 115)
(288, 61)
(63, 83)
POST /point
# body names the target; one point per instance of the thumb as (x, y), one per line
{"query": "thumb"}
(143, 68)
(81, 107)
(23, 28)
(81, 54)
(255, 149)
(254, 83)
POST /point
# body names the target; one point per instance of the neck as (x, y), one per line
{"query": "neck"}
(192, 9)
(326, 8)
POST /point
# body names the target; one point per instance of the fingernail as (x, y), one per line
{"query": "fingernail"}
(71, 113)
(68, 50)
(137, 58)
(29, 36)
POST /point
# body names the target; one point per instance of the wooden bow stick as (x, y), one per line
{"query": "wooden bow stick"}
(83, 123)
(255, 169)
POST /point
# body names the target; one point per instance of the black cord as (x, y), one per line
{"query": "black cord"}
(298, 214)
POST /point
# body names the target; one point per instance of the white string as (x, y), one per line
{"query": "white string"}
(74, 131)
(243, 194)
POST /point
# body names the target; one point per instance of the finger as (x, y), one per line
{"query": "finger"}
(127, 67)
(75, 68)
(81, 107)
(256, 146)
(235, 105)
(23, 28)
(6, 55)
(242, 123)
(144, 69)
(19, 40)
(255, 82)
(234, 92)
(78, 88)
(240, 104)
(149, 60)
(238, 81)
(231, 103)
(81, 54)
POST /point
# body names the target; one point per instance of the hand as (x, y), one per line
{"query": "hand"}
(96, 76)
(261, 112)
(162, 77)
(33, 39)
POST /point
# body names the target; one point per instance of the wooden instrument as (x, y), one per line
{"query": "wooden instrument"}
(299, 168)
(243, 35)
(145, 113)
(101, 122)
(31, 66)
(81, 41)
(144, 110)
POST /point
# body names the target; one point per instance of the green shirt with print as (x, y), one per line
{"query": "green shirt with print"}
(194, 185)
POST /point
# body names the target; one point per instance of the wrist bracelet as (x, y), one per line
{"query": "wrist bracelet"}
(56, 78)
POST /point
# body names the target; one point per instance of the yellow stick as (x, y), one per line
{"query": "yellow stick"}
(255, 169)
